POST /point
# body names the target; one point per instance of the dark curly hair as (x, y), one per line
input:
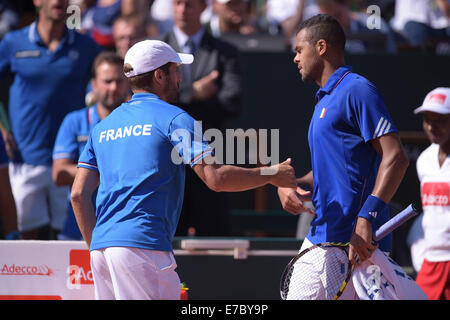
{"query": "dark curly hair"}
(324, 26)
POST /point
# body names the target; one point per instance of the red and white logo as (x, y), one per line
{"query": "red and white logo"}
(436, 194)
(438, 98)
(25, 270)
(79, 269)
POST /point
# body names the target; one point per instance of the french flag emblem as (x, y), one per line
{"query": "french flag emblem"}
(322, 114)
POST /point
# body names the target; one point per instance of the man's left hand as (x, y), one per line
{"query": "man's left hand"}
(361, 246)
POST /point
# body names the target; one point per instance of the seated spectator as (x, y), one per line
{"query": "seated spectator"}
(87, 8)
(231, 16)
(357, 24)
(422, 22)
(103, 15)
(288, 14)
(127, 30)
(105, 12)
(161, 13)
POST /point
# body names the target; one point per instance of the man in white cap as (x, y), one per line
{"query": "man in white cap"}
(433, 170)
(211, 92)
(133, 156)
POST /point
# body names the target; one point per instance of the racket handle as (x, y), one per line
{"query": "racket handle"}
(395, 222)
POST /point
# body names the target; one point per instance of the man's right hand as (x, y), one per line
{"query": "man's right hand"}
(292, 200)
(206, 88)
(282, 175)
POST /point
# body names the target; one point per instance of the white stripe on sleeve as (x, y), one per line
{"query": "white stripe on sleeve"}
(382, 128)
(378, 127)
(387, 128)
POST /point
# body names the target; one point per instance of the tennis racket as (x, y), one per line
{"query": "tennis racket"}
(336, 273)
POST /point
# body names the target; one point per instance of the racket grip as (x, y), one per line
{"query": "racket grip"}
(395, 222)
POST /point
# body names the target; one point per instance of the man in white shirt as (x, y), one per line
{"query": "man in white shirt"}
(290, 13)
(433, 169)
(422, 20)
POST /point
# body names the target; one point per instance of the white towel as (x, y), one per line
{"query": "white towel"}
(380, 278)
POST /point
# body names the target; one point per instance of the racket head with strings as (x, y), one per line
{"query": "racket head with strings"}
(335, 277)
(385, 229)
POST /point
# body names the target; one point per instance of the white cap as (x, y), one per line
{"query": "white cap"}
(438, 101)
(148, 55)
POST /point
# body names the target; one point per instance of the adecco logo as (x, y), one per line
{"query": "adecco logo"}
(79, 269)
(436, 194)
(25, 270)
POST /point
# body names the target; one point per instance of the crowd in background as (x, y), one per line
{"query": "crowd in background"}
(405, 24)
